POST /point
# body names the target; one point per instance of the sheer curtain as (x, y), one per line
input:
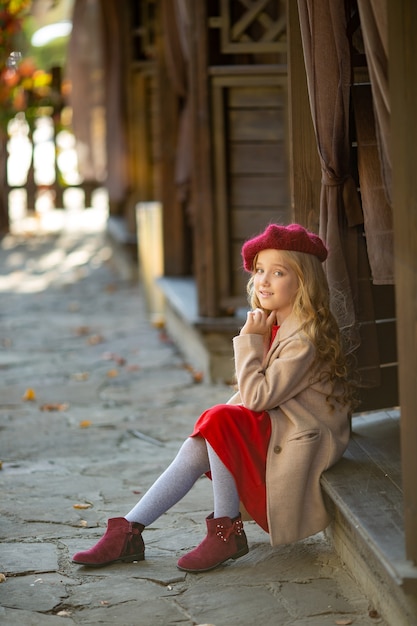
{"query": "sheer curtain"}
(327, 59)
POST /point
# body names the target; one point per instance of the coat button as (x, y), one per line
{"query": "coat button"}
(277, 449)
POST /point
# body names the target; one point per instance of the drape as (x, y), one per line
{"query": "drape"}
(327, 59)
(377, 208)
(95, 68)
(84, 69)
(175, 21)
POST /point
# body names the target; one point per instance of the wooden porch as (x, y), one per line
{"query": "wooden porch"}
(364, 490)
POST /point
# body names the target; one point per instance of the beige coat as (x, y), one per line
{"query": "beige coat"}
(306, 438)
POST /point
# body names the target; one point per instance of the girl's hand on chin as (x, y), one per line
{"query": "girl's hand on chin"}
(258, 322)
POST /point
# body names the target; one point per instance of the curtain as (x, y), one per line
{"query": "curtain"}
(84, 69)
(95, 66)
(327, 60)
(377, 208)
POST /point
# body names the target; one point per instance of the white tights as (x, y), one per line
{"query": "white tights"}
(195, 458)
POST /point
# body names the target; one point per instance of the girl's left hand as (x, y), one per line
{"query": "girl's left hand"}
(259, 322)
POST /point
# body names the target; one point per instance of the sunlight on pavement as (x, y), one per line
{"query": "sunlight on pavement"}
(40, 268)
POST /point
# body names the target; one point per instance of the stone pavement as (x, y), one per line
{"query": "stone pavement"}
(94, 403)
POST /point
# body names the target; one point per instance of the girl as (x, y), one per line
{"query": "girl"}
(266, 449)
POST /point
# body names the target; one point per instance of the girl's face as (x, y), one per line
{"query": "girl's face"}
(275, 283)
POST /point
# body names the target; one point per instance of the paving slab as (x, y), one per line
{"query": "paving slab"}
(95, 401)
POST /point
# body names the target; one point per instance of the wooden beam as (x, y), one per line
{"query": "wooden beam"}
(402, 18)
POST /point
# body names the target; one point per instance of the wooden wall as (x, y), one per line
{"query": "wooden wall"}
(243, 73)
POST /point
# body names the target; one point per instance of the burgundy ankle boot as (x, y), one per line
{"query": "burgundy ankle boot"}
(122, 541)
(225, 540)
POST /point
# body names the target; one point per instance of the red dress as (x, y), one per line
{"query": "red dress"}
(240, 437)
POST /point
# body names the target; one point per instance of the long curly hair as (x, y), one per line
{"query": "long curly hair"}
(312, 308)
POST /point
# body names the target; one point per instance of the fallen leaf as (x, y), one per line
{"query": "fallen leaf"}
(158, 322)
(80, 376)
(111, 356)
(54, 407)
(112, 373)
(2, 578)
(343, 622)
(164, 337)
(64, 613)
(85, 423)
(95, 339)
(82, 330)
(104, 602)
(29, 395)
(198, 377)
(82, 505)
(133, 368)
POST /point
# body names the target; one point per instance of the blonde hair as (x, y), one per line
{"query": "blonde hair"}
(312, 307)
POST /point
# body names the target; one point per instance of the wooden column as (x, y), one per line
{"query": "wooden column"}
(402, 18)
(305, 172)
(202, 181)
(165, 146)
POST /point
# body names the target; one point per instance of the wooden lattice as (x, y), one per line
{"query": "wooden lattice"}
(251, 26)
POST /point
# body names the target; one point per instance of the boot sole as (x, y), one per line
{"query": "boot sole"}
(125, 559)
(235, 556)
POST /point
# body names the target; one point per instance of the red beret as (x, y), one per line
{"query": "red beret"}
(292, 237)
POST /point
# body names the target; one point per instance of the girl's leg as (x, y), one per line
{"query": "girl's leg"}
(226, 497)
(123, 538)
(191, 462)
(225, 538)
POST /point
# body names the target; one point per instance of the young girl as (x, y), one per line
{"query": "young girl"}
(288, 422)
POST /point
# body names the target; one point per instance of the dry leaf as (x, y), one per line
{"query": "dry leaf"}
(64, 613)
(133, 368)
(112, 373)
(80, 376)
(82, 505)
(2, 578)
(198, 377)
(29, 395)
(95, 339)
(82, 330)
(343, 622)
(83, 523)
(54, 407)
(111, 356)
(158, 322)
(85, 423)
(104, 602)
